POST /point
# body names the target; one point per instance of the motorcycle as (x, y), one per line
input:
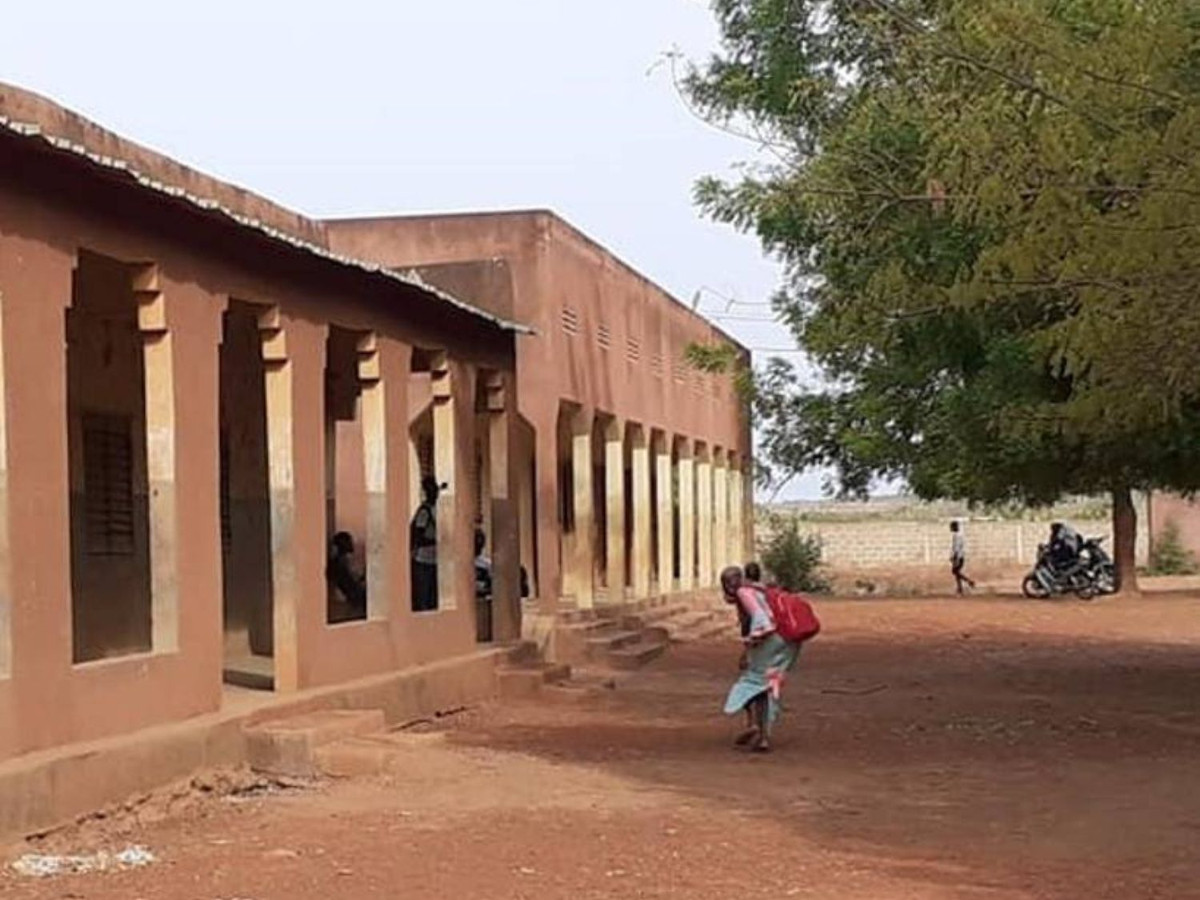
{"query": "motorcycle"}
(1100, 565)
(1046, 580)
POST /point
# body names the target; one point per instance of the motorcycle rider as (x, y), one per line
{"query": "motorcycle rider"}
(1066, 546)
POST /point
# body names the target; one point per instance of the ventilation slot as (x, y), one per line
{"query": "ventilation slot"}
(633, 350)
(604, 337)
(570, 321)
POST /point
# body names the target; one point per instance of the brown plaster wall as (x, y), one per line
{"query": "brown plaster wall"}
(47, 215)
(573, 292)
(487, 284)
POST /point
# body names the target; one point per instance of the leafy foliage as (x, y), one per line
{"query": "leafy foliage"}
(1169, 556)
(989, 219)
(793, 558)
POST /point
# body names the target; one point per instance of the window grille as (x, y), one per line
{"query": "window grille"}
(108, 484)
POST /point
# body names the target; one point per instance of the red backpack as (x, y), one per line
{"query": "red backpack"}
(795, 620)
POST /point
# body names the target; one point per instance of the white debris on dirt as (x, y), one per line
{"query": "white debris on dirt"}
(36, 865)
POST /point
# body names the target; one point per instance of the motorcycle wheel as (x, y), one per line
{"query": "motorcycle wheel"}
(1086, 590)
(1032, 588)
(1106, 580)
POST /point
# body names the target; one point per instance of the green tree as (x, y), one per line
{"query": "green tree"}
(989, 221)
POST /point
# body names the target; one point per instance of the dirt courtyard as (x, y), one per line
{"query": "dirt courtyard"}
(931, 749)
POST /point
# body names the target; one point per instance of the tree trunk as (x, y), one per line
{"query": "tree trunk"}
(1125, 540)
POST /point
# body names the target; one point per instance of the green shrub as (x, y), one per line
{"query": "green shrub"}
(1168, 555)
(792, 558)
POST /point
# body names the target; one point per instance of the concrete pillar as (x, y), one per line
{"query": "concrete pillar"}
(720, 476)
(687, 518)
(159, 373)
(375, 403)
(746, 505)
(736, 518)
(666, 515)
(453, 465)
(5, 550)
(523, 461)
(504, 485)
(704, 517)
(583, 547)
(547, 502)
(614, 497)
(35, 549)
(642, 541)
(294, 360)
(35, 560)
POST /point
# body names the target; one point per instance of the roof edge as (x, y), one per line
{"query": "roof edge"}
(556, 219)
(122, 168)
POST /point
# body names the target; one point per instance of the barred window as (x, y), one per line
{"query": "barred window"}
(425, 454)
(108, 484)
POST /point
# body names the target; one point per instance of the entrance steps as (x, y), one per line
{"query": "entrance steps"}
(591, 647)
(631, 635)
(289, 747)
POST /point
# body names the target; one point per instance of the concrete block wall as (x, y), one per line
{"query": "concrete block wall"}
(890, 544)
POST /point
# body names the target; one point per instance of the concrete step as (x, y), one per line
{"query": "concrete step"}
(634, 656)
(590, 627)
(374, 754)
(659, 615)
(523, 653)
(607, 642)
(522, 682)
(575, 616)
(288, 746)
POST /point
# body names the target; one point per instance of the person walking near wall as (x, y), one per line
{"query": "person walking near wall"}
(958, 558)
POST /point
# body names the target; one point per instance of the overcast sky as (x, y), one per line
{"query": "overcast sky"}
(358, 107)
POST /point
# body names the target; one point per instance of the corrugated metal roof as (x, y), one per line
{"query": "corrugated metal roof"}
(121, 168)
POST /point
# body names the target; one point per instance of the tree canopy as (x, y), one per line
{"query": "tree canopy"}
(989, 220)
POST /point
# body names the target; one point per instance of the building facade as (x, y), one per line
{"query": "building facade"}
(203, 393)
(633, 464)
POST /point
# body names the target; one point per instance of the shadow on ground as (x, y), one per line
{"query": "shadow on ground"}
(997, 746)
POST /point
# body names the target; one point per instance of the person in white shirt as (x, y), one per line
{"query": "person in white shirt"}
(958, 558)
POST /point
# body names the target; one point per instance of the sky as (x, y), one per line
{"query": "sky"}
(361, 107)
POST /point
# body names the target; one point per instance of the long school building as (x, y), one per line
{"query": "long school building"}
(201, 388)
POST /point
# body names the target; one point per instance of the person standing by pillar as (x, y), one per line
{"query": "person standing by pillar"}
(958, 558)
(422, 542)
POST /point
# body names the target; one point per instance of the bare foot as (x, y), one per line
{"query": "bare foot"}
(750, 734)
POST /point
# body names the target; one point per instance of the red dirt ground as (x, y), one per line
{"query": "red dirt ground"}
(932, 749)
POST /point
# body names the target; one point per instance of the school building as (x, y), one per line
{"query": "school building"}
(201, 388)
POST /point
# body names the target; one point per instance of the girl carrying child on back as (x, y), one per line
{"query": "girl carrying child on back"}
(767, 660)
